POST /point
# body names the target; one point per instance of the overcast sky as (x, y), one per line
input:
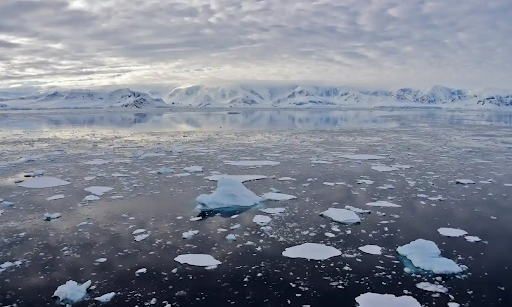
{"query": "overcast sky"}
(375, 43)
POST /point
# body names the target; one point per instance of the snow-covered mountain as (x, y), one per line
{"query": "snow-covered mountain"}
(281, 96)
(79, 99)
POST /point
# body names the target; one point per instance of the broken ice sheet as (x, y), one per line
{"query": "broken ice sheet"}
(312, 251)
(43, 182)
(341, 216)
(197, 260)
(229, 193)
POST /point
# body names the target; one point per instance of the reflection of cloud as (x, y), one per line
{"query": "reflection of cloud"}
(412, 42)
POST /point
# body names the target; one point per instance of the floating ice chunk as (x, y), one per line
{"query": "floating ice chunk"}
(182, 175)
(383, 168)
(464, 181)
(277, 196)
(431, 287)
(229, 193)
(55, 197)
(382, 203)
(401, 166)
(361, 181)
(193, 169)
(286, 179)
(197, 260)
(91, 198)
(141, 271)
(99, 191)
(386, 187)
(119, 175)
(371, 249)
(386, 300)
(239, 178)
(105, 298)
(508, 184)
(472, 239)
(52, 216)
(452, 304)
(312, 251)
(451, 232)
(426, 255)
(141, 237)
(100, 260)
(316, 161)
(43, 182)
(189, 234)
(261, 220)
(330, 184)
(357, 210)
(273, 210)
(363, 157)
(252, 163)
(329, 235)
(138, 231)
(97, 162)
(89, 178)
(342, 216)
(231, 237)
(164, 170)
(7, 203)
(71, 292)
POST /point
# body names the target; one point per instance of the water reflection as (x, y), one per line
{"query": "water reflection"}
(246, 119)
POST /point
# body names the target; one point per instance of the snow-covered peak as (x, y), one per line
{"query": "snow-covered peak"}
(434, 95)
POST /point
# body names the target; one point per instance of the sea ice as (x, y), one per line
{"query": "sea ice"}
(197, 260)
(229, 193)
(341, 215)
(383, 168)
(386, 300)
(371, 249)
(273, 210)
(286, 179)
(363, 157)
(361, 181)
(91, 198)
(55, 197)
(312, 251)
(193, 169)
(382, 203)
(252, 163)
(99, 191)
(164, 170)
(277, 196)
(261, 220)
(89, 178)
(43, 182)
(464, 181)
(231, 237)
(141, 237)
(100, 260)
(189, 234)
(431, 287)
(357, 210)
(52, 216)
(451, 232)
(97, 162)
(472, 239)
(141, 271)
(105, 298)
(71, 292)
(239, 178)
(426, 255)
(138, 231)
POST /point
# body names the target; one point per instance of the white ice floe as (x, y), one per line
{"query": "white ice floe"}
(91, 198)
(363, 157)
(100, 260)
(72, 292)
(105, 298)
(89, 178)
(273, 210)
(451, 232)
(286, 179)
(252, 163)
(361, 181)
(52, 216)
(472, 239)
(386, 187)
(357, 210)
(341, 215)
(189, 234)
(6, 203)
(55, 197)
(278, 196)
(508, 184)
(138, 231)
(330, 184)
(382, 203)
(193, 169)
(261, 220)
(197, 260)
(99, 191)
(141, 271)
(43, 182)
(383, 168)
(229, 193)
(464, 181)
(426, 255)
(401, 166)
(119, 175)
(385, 300)
(231, 237)
(371, 249)
(97, 162)
(452, 304)
(312, 251)
(164, 170)
(431, 287)
(239, 178)
(141, 237)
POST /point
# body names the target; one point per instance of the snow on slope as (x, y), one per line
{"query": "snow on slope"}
(122, 98)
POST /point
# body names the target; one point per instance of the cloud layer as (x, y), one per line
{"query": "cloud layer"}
(80, 43)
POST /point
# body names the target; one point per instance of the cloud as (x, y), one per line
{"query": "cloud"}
(77, 43)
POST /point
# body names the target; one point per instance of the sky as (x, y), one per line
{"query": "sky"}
(373, 43)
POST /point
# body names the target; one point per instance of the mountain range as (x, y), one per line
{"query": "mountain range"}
(283, 96)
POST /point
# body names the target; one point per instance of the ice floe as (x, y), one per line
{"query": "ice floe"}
(277, 196)
(342, 216)
(71, 292)
(472, 239)
(189, 234)
(141, 237)
(91, 198)
(385, 300)
(464, 181)
(100, 260)
(239, 178)
(361, 181)
(312, 251)
(99, 191)
(382, 203)
(252, 163)
(55, 197)
(357, 210)
(97, 162)
(426, 255)
(229, 193)
(451, 232)
(371, 249)
(286, 179)
(197, 260)
(141, 271)
(193, 169)
(363, 157)
(431, 287)
(383, 168)
(273, 210)
(43, 182)
(261, 220)
(52, 216)
(105, 298)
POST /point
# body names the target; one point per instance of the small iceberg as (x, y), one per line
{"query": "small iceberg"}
(197, 260)
(371, 249)
(426, 255)
(341, 216)
(105, 298)
(382, 204)
(51, 216)
(388, 300)
(277, 196)
(99, 191)
(229, 193)
(451, 232)
(261, 220)
(71, 292)
(311, 251)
